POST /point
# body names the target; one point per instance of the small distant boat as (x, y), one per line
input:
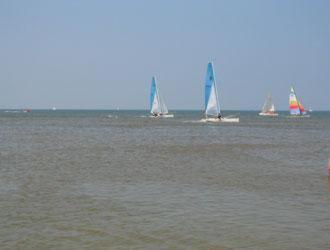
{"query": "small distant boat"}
(295, 106)
(212, 105)
(13, 111)
(27, 110)
(157, 104)
(54, 108)
(269, 108)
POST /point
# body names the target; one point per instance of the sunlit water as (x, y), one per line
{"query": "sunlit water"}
(119, 179)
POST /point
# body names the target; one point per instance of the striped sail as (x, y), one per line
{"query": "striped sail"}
(212, 107)
(293, 103)
(296, 108)
(301, 108)
(157, 104)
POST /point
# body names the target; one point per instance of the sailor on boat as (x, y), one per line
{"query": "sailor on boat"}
(211, 101)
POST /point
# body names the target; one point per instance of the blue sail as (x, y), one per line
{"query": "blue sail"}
(153, 91)
(209, 78)
(157, 104)
(212, 106)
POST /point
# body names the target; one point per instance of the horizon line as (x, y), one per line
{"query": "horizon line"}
(128, 109)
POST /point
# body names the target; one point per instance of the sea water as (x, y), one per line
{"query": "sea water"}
(123, 180)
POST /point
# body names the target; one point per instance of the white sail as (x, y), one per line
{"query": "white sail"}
(157, 104)
(268, 105)
(212, 105)
(155, 109)
(163, 108)
(268, 109)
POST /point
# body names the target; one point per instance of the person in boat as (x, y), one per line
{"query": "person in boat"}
(155, 114)
(219, 116)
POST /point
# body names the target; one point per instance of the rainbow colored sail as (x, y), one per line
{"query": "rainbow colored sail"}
(296, 108)
(302, 109)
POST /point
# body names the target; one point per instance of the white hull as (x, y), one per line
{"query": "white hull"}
(222, 119)
(163, 116)
(268, 114)
(299, 116)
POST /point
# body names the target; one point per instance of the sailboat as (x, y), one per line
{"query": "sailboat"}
(295, 106)
(157, 104)
(269, 108)
(212, 105)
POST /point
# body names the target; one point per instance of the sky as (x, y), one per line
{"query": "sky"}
(103, 54)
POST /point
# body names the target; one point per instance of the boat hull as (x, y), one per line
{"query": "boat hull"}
(222, 119)
(299, 116)
(163, 116)
(268, 114)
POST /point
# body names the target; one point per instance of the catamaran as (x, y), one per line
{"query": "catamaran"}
(157, 104)
(269, 108)
(296, 108)
(212, 105)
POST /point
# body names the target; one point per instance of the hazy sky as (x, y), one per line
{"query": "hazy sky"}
(102, 54)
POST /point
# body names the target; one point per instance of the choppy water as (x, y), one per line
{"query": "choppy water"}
(109, 179)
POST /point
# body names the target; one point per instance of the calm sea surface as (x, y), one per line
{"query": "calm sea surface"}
(122, 180)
